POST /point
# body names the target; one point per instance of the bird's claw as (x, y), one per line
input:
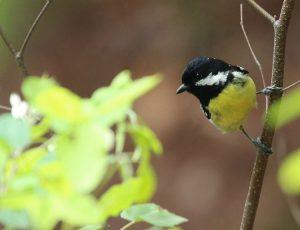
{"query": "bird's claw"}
(270, 89)
(261, 146)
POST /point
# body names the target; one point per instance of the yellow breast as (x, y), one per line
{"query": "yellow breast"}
(231, 107)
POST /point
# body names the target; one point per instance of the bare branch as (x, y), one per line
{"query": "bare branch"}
(252, 52)
(291, 85)
(262, 11)
(5, 107)
(258, 172)
(33, 26)
(19, 54)
(19, 60)
(7, 43)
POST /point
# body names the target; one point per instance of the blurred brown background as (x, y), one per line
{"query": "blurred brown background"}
(203, 174)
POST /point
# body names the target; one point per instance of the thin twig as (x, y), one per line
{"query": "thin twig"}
(5, 107)
(258, 172)
(19, 60)
(33, 26)
(291, 85)
(262, 11)
(253, 53)
(21, 64)
(19, 54)
(125, 227)
(7, 43)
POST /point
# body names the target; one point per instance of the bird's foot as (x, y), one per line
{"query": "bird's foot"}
(261, 146)
(270, 89)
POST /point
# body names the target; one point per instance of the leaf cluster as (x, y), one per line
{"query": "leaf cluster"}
(58, 161)
(288, 110)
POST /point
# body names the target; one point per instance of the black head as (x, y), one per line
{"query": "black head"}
(200, 68)
(205, 78)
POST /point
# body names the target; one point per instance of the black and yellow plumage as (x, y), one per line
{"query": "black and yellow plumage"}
(226, 92)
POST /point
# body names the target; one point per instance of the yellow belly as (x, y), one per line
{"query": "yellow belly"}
(231, 107)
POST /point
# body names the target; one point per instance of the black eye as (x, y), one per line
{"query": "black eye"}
(198, 76)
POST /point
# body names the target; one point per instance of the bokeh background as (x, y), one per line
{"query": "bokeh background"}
(203, 174)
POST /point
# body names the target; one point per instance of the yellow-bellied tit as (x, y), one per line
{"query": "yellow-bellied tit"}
(226, 93)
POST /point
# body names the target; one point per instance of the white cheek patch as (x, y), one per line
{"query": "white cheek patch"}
(217, 79)
(238, 74)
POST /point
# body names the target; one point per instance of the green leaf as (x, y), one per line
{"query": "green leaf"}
(26, 177)
(62, 107)
(120, 82)
(25, 182)
(134, 190)
(289, 174)
(40, 129)
(54, 182)
(45, 208)
(14, 219)
(29, 160)
(145, 138)
(119, 197)
(152, 214)
(135, 212)
(115, 101)
(53, 178)
(32, 203)
(108, 118)
(76, 209)
(123, 159)
(288, 109)
(164, 218)
(122, 79)
(15, 132)
(146, 172)
(34, 86)
(4, 156)
(83, 155)
(120, 136)
(125, 166)
(128, 94)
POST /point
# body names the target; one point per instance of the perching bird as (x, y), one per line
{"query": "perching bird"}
(226, 93)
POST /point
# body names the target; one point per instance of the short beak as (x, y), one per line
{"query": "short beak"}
(181, 89)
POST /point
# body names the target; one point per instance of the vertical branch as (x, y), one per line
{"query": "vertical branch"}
(19, 54)
(259, 168)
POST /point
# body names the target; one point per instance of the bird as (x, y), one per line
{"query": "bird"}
(226, 93)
